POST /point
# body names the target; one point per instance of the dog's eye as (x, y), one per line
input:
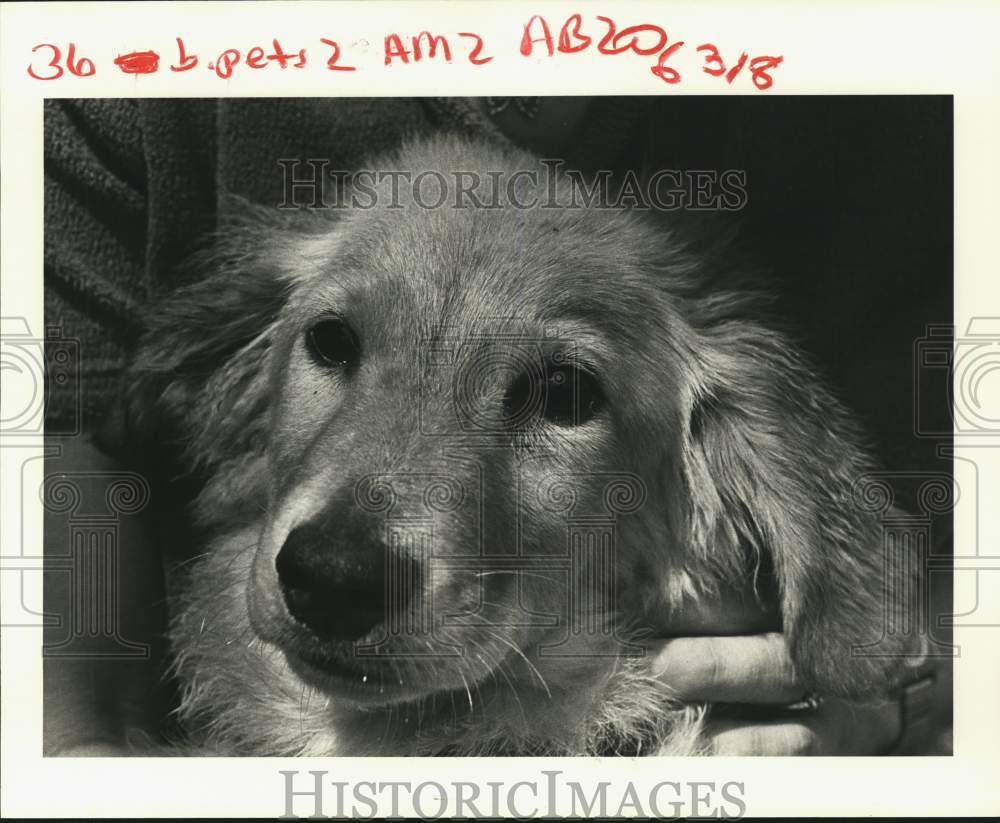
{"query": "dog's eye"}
(566, 396)
(333, 343)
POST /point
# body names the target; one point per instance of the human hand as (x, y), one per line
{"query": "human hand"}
(758, 705)
(756, 672)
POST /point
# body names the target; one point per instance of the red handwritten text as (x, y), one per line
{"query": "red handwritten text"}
(84, 67)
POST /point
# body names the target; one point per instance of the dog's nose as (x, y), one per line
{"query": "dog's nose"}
(340, 593)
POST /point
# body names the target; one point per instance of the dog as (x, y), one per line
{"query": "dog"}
(448, 466)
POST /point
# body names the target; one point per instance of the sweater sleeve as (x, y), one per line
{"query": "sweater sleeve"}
(94, 249)
(130, 187)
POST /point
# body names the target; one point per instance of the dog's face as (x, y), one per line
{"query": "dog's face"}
(445, 381)
(479, 445)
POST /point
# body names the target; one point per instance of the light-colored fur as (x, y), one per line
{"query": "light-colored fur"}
(747, 464)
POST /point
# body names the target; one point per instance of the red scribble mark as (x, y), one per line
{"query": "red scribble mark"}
(138, 62)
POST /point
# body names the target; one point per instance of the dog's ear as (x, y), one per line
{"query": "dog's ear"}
(196, 392)
(771, 462)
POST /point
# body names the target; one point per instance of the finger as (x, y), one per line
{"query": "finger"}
(741, 669)
(837, 728)
(771, 739)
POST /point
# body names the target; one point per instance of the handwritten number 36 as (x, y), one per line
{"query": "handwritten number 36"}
(84, 67)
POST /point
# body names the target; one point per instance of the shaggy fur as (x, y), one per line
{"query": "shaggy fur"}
(747, 466)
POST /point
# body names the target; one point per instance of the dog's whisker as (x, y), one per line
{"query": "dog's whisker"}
(229, 588)
(388, 722)
(178, 565)
(468, 693)
(497, 667)
(516, 649)
(303, 705)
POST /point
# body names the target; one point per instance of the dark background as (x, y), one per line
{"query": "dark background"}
(850, 209)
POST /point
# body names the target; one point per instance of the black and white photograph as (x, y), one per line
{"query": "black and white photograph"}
(507, 426)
